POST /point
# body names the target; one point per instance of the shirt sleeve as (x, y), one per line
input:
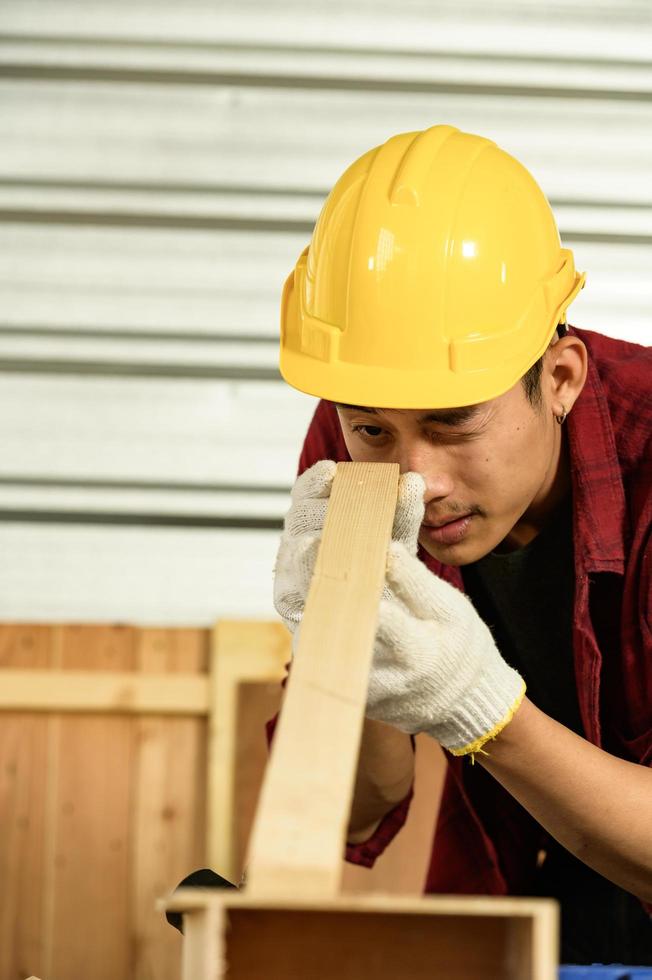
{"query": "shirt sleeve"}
(366, 852)
(646, 629)
(324, 439)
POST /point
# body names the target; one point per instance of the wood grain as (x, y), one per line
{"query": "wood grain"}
(169, 801)
(305, 803)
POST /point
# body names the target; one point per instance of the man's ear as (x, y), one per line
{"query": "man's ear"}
(566, 367)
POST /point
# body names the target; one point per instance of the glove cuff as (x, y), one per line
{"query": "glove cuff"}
(483, 714)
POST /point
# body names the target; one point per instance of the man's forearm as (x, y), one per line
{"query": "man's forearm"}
(384, 776)
(597, 806)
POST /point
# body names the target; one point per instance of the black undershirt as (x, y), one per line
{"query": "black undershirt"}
(526, 598)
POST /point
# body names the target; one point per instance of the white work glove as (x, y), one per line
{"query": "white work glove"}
(436, 668)
(303, 526)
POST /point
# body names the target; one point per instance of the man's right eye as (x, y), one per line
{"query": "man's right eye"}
(372, 431)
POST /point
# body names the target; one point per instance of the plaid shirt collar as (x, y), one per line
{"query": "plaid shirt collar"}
(600, 516)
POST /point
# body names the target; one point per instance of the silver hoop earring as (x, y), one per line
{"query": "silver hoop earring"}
(561, 418)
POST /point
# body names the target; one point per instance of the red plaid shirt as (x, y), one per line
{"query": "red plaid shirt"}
(485, 841)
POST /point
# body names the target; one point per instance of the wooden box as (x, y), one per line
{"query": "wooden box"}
(442, 937)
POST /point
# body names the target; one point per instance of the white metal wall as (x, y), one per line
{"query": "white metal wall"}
(162, 165)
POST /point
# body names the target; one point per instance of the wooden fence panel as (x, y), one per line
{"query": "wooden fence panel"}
(103, 811)
(100, 814)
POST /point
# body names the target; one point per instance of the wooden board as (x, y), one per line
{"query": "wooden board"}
(241, 653)
(299, 832)
(388, 938)
(168, 822)
(247, 662)
(24, 790)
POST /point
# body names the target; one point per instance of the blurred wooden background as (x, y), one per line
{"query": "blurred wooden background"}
(102, 812)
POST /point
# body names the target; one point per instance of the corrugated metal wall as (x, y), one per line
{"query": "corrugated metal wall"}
(162, 165)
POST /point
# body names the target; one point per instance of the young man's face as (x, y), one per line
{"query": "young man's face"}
(492, 469)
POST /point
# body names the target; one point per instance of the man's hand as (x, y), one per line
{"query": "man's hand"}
(436, 668)
(303, 526)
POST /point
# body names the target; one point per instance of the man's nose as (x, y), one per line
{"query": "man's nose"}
(432, 467)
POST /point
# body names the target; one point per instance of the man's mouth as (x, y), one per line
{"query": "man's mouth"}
(446, 520)
(451, 530)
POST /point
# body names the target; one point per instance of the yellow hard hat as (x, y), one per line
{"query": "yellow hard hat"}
(435, 278)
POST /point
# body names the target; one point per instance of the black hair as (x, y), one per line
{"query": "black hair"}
(531, 380)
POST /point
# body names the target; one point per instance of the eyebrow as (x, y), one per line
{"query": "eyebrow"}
(445, 416)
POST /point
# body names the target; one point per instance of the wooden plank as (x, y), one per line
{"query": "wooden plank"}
(299, 831)
(545, 942)
(188, 899)
(168, 814)
(24, 786)
(242, 652)
(204, 947)
(114, 693)
(248, 655)
(91, 815)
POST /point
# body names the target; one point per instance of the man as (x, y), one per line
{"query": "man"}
(429, 316)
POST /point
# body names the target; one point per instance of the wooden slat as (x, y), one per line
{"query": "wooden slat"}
(446, 905)
(303, 813)
(168, 815)
(92, 794)
(24, 790)
(114, 693)
(248, 661)
(241, 653)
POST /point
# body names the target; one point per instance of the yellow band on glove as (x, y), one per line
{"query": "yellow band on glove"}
(476, 746)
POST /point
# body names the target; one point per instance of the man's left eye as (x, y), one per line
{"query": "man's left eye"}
(373, 431)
